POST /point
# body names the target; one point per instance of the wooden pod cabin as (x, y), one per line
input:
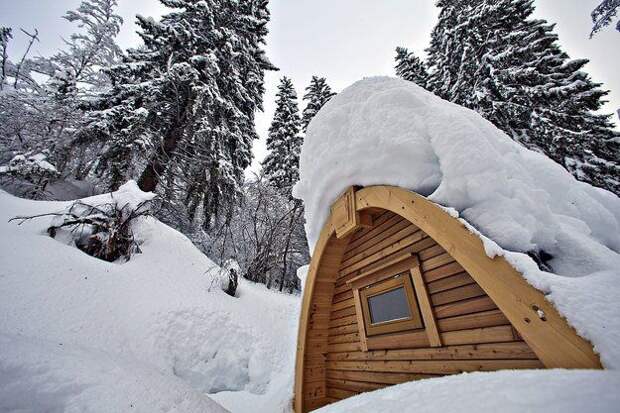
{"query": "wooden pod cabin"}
(399, 290)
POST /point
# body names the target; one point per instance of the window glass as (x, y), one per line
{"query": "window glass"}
(388, 306)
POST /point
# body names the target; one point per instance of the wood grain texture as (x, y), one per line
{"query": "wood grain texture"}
(376, 377)
(433, 366)
(377, 241)
(426, 307)
(509, 350)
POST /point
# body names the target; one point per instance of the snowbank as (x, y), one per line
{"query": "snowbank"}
(150, 335)
(302, 274)
(392, 132)
(43, 376)
(543, 391)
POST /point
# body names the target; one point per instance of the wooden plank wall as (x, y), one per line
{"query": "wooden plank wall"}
(475, 334)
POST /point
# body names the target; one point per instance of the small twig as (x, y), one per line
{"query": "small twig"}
(23, 219)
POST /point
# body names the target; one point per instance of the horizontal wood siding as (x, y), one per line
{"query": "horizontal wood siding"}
(475, 335)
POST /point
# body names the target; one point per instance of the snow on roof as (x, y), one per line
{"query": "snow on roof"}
(386, 131)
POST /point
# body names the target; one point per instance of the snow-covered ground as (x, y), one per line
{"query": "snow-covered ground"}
(154, 334)
(386, 131)
(543, 391)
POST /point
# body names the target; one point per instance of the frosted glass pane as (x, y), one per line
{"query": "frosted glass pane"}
(391, 305)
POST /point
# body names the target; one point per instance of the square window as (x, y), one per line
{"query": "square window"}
(390, 306)
(387, 306)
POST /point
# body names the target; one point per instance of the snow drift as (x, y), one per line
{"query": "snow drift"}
(541, 391)
(385, 131)
(153, 334)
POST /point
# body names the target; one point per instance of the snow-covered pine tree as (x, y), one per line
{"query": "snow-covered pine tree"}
(317, 94)
(410, 67)
(181, 112)
(443, 54)
(281, 171)
(494, 58)
(281, 165)
(603, 14)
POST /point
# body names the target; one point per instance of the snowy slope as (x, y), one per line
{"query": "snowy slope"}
(384, 131)
(154, 334)
(541, 391)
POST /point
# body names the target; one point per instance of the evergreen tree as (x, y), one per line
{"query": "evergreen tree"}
(281, 165)
(603, 14)
(444, 53)
(410, 67)
(281, 171)
(495, 59)
(180, 115)
(317, 94)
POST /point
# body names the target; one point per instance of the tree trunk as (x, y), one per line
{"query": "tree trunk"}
(291, 226)
(159, 160)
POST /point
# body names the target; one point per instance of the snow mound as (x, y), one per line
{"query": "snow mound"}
(531, 391)
(153, 334)
(129, 195)
(39, 376)
(385, 131)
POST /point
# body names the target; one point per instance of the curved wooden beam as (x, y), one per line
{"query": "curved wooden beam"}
(554, 341)
(326, 238)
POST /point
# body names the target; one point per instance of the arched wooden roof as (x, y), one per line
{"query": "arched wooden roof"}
(553, 340)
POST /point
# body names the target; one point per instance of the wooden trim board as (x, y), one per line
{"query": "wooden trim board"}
(425, 306)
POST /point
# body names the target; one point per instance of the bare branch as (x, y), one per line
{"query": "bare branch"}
(33, 37)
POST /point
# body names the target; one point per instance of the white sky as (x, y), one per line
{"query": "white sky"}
(342, 40)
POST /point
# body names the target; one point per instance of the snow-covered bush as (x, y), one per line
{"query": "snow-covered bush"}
(31, 172)
(102, 229)
(29, 164)
(43, 98)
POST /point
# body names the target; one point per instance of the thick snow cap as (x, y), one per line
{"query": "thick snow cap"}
(385, 131)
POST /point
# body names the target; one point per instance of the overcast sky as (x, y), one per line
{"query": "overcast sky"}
(342, 40)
